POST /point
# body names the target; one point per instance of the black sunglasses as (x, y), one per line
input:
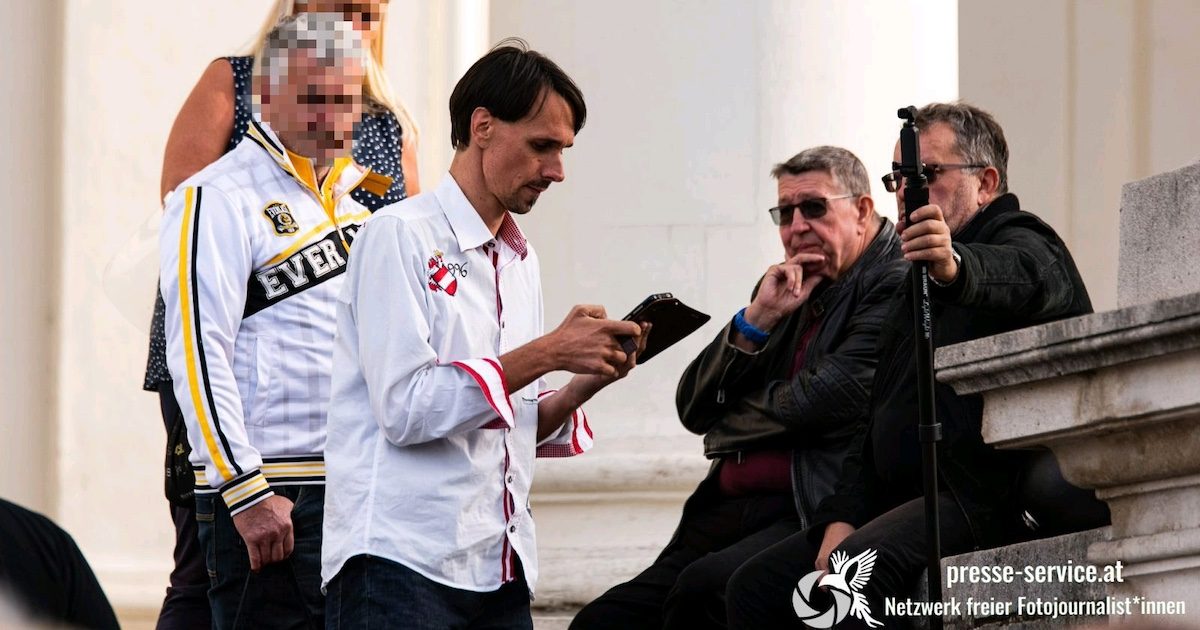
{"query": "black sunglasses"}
(894, 180)
(810, 209)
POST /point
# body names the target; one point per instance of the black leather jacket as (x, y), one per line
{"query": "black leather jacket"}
(742, 401)
(1015, 272)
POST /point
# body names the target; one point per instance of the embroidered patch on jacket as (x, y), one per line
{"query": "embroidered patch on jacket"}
(281, 217)
(440, 276)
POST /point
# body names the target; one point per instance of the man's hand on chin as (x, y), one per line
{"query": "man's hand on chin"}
(784, 288)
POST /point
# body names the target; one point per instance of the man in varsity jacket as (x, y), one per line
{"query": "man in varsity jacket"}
(253, 249)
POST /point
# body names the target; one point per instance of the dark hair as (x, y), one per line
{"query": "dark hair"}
(509, 82)
(977, 135)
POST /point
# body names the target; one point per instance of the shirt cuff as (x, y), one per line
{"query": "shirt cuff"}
(574, 438)
(246, 491)
(489, 376)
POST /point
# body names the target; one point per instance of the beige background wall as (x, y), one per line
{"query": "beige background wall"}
(690, 105)
(1092, 94)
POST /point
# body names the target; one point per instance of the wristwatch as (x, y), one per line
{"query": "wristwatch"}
(957, 265)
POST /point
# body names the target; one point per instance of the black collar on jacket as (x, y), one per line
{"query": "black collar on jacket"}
(1003, 204)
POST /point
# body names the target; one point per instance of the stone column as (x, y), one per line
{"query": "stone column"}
(30, 118)
(429, 45)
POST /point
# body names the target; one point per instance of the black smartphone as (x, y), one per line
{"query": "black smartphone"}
(640, 310)
(672, 320)
(638, 314)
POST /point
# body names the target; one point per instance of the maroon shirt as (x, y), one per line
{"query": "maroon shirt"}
(764, 471)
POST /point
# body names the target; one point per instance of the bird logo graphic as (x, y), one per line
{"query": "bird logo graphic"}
(849, 576)
(844, 582)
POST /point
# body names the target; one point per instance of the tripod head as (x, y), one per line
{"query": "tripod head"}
(916, 186)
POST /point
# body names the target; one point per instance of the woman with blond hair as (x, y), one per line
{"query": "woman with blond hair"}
(212, 121)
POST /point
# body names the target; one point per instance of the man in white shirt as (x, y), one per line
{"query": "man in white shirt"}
(439, 404)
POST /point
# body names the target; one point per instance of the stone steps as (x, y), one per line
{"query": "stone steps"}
(552, 620)
(1044, 552)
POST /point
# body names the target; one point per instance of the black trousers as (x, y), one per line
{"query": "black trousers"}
(1054, 505)
(185, 606)
(685, 586)
(760, 592)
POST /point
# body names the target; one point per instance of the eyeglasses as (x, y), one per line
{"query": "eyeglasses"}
(894, 180)
(810, 209)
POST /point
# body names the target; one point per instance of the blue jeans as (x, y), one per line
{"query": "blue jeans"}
(282, 595)
(374, 593)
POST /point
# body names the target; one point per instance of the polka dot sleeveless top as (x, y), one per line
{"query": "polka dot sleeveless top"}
(377, 146)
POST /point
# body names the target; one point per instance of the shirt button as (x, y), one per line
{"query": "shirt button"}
(512, 529)
(501, 325)
(510, 479)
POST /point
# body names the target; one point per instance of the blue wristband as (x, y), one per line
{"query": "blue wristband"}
(748, 330)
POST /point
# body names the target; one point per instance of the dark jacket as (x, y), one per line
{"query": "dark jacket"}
(1015, 272)
(744, 401)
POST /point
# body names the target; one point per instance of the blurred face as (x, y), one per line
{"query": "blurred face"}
(316, 106)
(365, 15)
(521, 159)
(839, 235)
(956, 191)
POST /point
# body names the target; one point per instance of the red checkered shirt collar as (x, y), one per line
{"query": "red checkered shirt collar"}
(469, 229)
(512, 236)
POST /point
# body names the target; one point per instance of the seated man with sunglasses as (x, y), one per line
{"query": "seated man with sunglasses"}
(995, 268)
(778, 395)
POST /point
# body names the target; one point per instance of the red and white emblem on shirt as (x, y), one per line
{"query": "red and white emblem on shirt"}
(440, 278)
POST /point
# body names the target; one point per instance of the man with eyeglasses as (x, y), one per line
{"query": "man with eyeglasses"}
(778, 395)
(994, 268)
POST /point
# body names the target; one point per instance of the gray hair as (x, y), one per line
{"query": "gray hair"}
(328, 36)
(977, 135)
(845, 168)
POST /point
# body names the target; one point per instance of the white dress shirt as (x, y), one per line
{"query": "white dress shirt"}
(429, 457)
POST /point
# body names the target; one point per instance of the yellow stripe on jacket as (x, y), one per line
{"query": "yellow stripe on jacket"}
(191, 331)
